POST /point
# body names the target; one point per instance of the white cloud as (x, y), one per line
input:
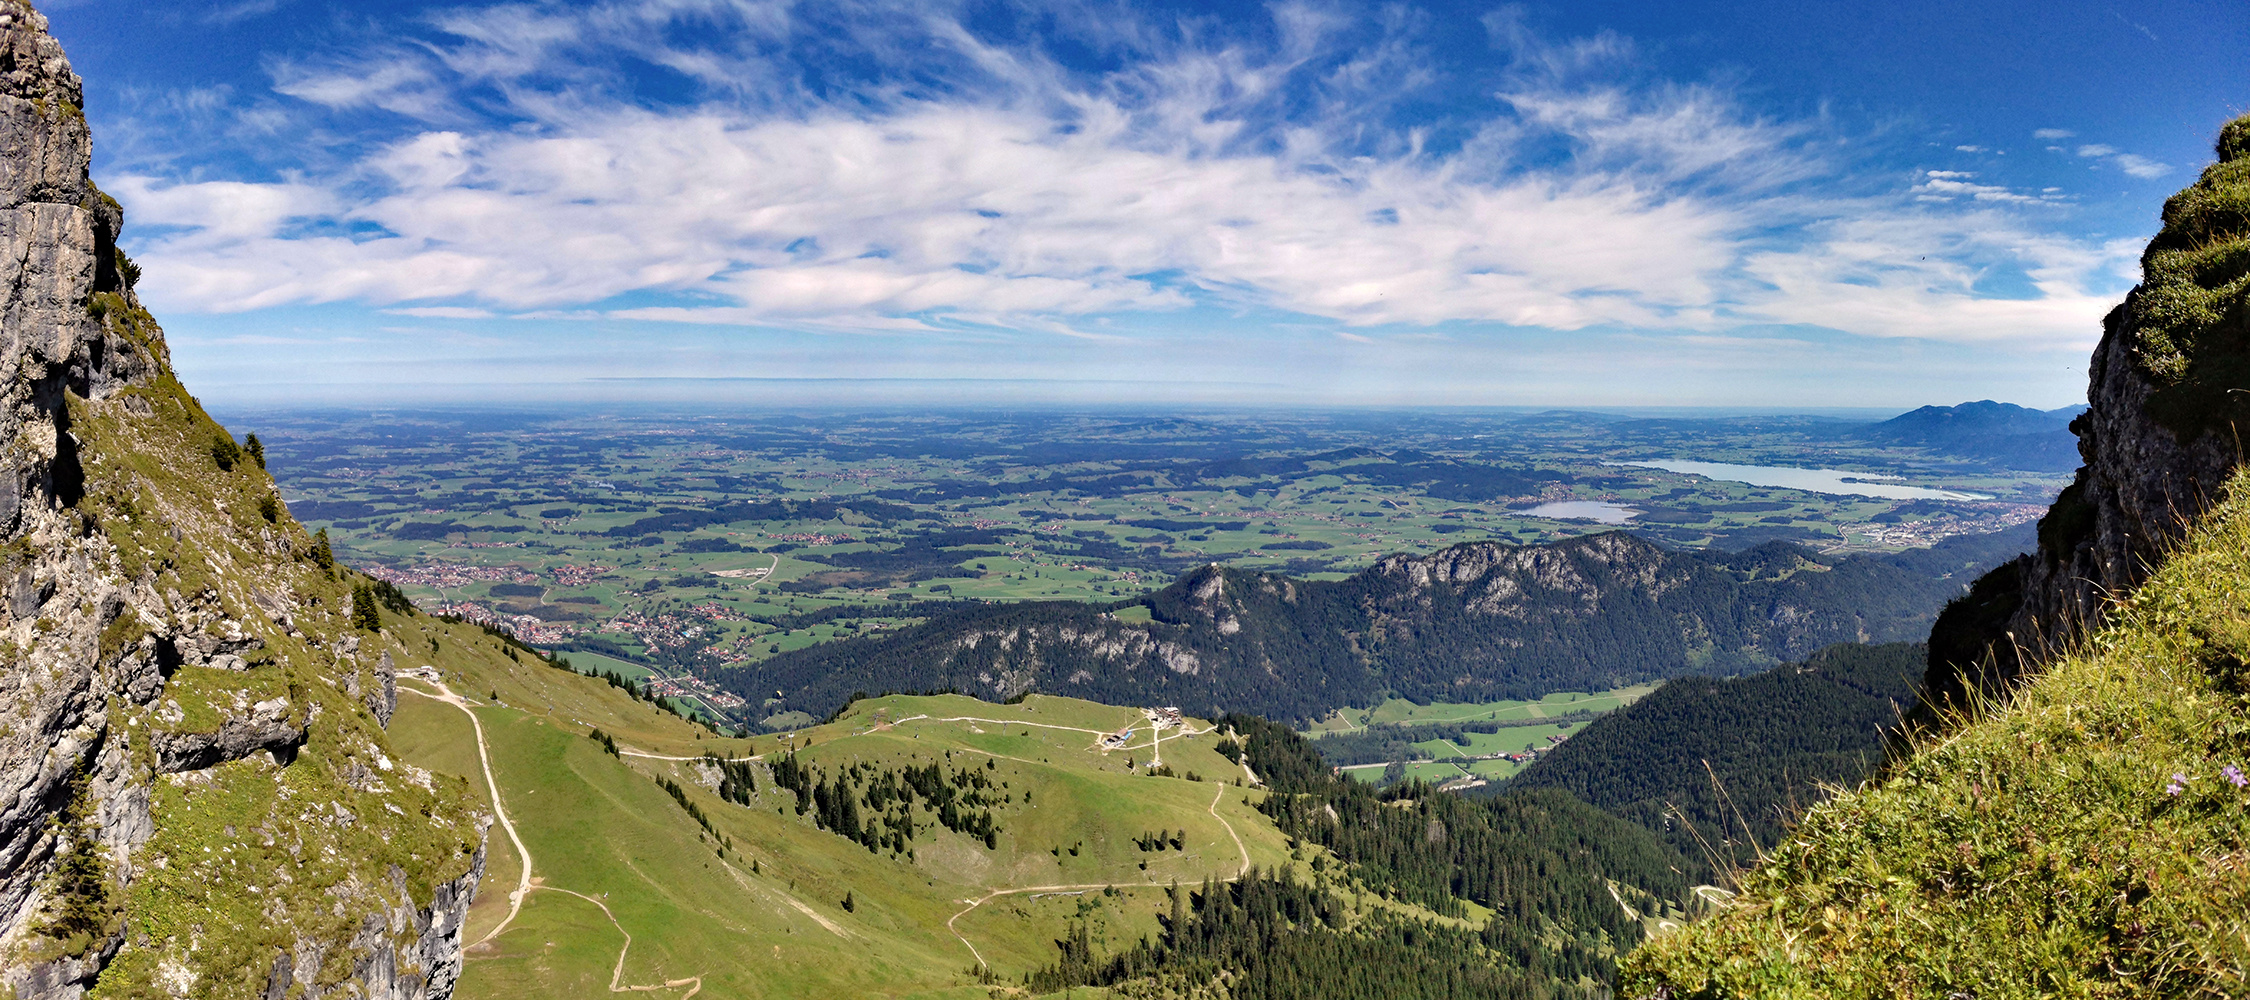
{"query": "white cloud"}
(2051, 134)
(241, 10)
(221, 214)
(1026, 198)
(443, 312)
(1970, 149)
(2137, 166)
(1946, 185)
(2140, 166)
(1914, 276)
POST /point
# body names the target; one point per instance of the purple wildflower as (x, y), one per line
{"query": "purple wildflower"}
(2178, 785)
(2234, 776)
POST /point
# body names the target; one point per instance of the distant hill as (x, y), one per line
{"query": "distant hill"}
(2001, 434)
(1475, 622)
(1770, 739)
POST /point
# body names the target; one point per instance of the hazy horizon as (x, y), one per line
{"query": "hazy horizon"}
(1600, 204)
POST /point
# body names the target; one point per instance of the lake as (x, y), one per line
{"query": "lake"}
(1582, 510)
(1830, 481)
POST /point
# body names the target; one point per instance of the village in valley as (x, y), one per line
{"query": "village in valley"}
(672, 547)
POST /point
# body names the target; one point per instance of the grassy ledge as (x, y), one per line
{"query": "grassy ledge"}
(2088, 839)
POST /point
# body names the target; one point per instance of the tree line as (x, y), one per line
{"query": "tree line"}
(874, 806)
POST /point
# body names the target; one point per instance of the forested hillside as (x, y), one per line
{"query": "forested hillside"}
(1474, 622)
(1719, 767)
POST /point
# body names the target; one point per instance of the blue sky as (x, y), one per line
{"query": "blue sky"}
(1770, 204)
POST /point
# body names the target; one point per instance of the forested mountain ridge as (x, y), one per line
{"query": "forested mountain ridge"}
(1720, 768)
(2004, 434)
(1477, 621)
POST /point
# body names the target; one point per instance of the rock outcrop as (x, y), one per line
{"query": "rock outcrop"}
(2168, 406)
(175, 737)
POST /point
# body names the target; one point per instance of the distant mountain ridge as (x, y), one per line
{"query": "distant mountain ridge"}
(1473, 622)
(2005, 434)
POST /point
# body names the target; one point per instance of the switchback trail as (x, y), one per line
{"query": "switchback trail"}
(524, 884)
(693, 983)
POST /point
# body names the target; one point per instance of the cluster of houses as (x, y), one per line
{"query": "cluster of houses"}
(571, 575)
(690, 686)
(446, 576)
(814, 538)
(533, 630)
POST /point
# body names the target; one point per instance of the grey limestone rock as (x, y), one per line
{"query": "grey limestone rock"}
(382, 699)
(115, 689)
(2162, 436)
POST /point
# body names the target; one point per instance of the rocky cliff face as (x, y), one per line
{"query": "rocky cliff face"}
(191, 801)
(2169, 404)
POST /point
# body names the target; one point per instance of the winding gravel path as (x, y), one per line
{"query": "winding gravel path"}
(523, 879)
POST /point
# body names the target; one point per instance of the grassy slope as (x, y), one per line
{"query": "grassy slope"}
(236, 868)
(2037, 851)
(764, 917)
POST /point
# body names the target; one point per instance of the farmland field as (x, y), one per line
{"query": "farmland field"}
(688, 542)
(1401, 711)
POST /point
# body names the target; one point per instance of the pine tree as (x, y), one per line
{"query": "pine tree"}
(365, 616)
(323, 556)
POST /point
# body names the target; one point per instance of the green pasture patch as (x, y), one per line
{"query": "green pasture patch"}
(1494, 770)
(1399, 710)
(724, 908)
(585, 662)
(439, 737)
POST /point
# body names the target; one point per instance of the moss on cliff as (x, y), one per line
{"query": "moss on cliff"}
(2190, 318)
(2091, 838)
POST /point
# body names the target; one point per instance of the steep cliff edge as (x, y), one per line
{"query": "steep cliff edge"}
(2087, 839)
(2169, 400)
(2089, 834)
(195, 793)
